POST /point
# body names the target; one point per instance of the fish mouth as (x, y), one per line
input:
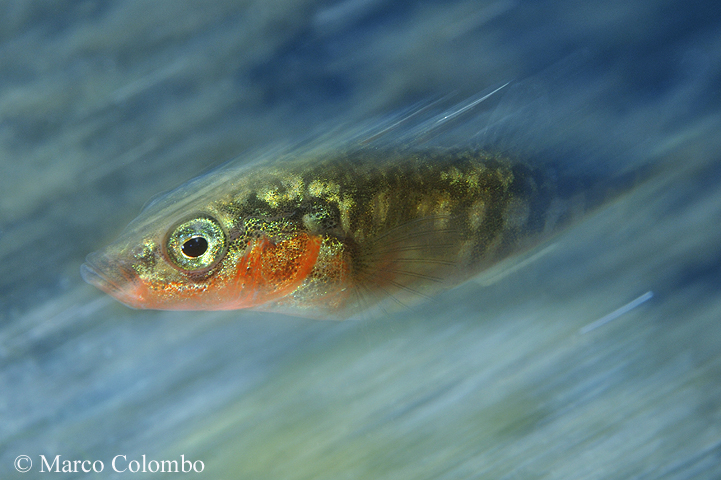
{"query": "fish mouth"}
(111, 277)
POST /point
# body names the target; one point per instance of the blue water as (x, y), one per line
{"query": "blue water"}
(103, 106)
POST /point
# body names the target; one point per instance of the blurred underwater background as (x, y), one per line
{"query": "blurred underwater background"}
(600, 358)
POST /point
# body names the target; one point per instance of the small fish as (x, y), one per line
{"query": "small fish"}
(330, 236)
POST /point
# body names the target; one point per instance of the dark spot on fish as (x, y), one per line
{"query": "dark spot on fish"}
(194, 247)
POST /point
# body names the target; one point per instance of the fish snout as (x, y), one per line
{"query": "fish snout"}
(109, 275)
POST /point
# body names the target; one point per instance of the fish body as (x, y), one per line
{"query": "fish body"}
(330, 236)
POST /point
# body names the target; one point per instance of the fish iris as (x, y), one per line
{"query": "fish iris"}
(196, 245)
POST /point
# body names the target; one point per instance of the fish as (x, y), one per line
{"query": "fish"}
(333, 235)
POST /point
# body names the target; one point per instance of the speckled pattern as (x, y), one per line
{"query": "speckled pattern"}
(363, 227)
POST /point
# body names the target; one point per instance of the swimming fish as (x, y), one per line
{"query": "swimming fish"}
(332, 235)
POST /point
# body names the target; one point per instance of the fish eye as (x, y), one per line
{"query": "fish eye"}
(196, 245)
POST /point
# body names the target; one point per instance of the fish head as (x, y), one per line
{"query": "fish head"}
(180, 257)
(166, 267)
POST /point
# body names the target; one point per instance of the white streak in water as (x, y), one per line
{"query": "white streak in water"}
(617, 313)
(448, 116)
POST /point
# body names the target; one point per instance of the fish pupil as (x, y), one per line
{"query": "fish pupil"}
(194, 247)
